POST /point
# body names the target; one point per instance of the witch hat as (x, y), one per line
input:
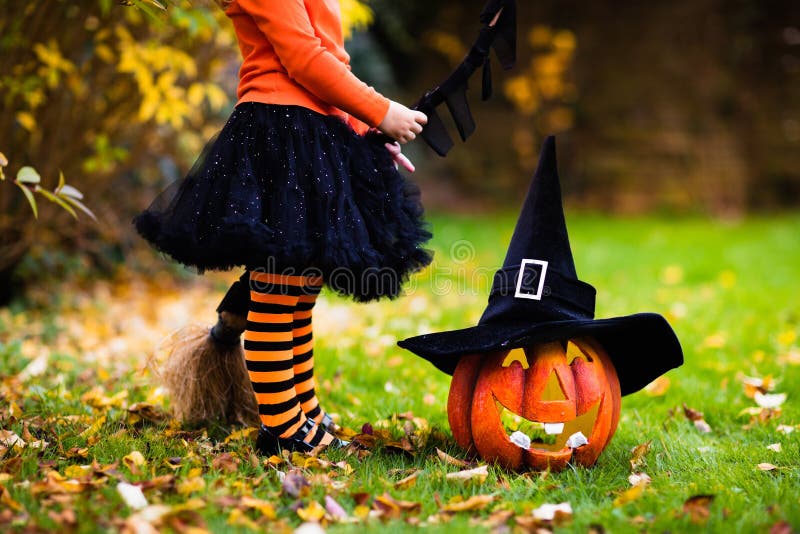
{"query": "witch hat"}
(537, 297)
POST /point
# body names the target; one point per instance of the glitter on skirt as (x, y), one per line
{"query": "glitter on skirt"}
(286, 189)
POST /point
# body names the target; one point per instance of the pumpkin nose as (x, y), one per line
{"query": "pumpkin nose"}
(549, 387)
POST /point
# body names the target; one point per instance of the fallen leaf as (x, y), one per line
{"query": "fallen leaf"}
(391, 508)
(629, 495)
(697, 418)
(638, 455)
(143, 411)
(9, 439)
(295, 484)
(238, 518)
(309, 528)
(314, 512)
(243, 434)
(446, 458)
(698, 508)
(753, 385)
(132, 495)
(334, 509)
(265, 508)
(477, 474)
(639, 479)
(553, 512)
(6, 500)
(133, 462)
(476, 502)
(785, 429)
(775, 447)
(225, 462)
(190, 485)
(94, 428)
(766, 466)
(408, 481)
(769, 400)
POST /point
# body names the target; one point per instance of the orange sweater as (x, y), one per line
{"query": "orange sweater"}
(293, 53)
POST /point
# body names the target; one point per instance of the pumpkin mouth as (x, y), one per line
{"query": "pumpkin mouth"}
(552, 437)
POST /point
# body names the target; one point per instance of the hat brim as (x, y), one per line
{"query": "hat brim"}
(642, 346)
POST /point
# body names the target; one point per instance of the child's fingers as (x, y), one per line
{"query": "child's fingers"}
(405, 162)
(420, 117)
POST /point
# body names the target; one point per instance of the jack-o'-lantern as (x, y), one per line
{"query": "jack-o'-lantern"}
(520, 396)
(536, 407)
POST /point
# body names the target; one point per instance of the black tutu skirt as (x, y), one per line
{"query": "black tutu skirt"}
(288, 190)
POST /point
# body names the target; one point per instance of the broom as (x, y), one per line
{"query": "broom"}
(203, 370)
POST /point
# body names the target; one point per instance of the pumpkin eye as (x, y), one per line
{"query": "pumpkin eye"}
(574, 353)
(516, 355)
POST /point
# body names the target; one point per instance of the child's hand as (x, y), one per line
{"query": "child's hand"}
(398, 157)
(401, 123)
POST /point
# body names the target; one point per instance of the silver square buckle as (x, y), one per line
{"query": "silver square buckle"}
(533, 296)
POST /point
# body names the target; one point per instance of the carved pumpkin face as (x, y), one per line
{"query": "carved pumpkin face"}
(528, 408)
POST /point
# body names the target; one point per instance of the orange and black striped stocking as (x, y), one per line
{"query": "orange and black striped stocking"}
(303, 348)
(268, 343)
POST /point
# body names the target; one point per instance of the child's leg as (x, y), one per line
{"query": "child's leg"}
(268, 353)
(303, 348)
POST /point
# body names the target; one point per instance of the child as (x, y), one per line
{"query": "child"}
(299, 188)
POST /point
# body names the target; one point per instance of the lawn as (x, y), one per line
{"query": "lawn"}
(75, 390)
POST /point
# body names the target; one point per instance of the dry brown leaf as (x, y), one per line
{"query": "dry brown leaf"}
(391, 508)
(295, 484)
(638, 455)
(477, 474)
(767, 466)
(225, 462)
(143, 411)
(476, 502)
(698, 507)
(446, 458)
(407, 482)
(697, 419)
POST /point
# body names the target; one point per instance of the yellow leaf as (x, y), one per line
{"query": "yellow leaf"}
(77, 471)
(238, 518)
(94, 428)
(265, 508)
(476, 502)
(191, 485)
(195, 94)
(26, 120)
(629, 495)
(314, 512)
(134, 460)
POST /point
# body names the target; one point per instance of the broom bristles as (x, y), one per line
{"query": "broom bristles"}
(206, 381)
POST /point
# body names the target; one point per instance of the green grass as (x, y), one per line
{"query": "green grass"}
(729, 289)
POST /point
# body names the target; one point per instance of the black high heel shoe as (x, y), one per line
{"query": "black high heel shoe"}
(268, 443)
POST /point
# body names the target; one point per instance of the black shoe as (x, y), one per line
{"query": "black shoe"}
(268, 443)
